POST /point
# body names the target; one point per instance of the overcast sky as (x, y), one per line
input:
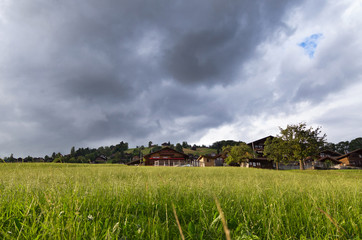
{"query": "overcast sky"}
(92, 73)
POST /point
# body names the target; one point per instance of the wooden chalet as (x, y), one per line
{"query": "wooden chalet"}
(326, 163)
(212, 160)
(258, 145)
(259, 161)
(325, 159)
(135, 161)
(166, 157)
(351, 159)
(100, 159)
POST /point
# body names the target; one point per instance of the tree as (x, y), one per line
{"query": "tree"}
(11, 158)
(155, 149)
(330, 146)
(302, 142)
(150, 144)
(47, 158)
(276, 150)
(28, 159)
(81, 159)
(72, 151)
(185, 144)
(179, 147)
(355, 144)
(239, 154)
(342, 147)
(58, 159)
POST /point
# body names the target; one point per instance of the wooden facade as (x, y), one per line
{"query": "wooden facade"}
(211, 161)
(352, 159)
(259, 161)
(258, 146)
(166, 157)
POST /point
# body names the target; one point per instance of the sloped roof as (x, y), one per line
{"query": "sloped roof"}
(346, 155)
(261, 140)
(330, 152)
(210, 157)
(323, 159)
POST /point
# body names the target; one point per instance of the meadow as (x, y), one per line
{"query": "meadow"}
(74, 201)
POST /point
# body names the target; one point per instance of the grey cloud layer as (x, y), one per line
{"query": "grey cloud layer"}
(81, 71)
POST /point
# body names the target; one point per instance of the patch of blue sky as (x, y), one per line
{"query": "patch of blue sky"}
(310, 44)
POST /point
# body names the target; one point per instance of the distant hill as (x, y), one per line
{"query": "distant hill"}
(199, 151)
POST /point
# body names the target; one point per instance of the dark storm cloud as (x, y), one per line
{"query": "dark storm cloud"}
(81, 71)
(212, 53)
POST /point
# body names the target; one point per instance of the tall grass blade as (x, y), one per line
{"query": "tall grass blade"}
(223, 220)
(177, 221)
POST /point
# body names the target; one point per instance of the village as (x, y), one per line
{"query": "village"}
(326, 159)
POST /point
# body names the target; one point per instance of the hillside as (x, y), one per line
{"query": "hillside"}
(199, 151)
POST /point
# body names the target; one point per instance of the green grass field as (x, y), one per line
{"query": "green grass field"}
(70, 201)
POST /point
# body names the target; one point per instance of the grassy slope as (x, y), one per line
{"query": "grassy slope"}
(199, 151)
(69, 201)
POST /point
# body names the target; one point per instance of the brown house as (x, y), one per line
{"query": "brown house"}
(211, 160)
(353, 159)
(326, 163)
(166, 157)
(100, 159)
(259, 161)
(325, 159)
(258, 145)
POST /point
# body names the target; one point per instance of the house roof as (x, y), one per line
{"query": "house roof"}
(261, 140)
(168, 148)
(323, 159)
(330, 152)
(209, 156)
(346, 155)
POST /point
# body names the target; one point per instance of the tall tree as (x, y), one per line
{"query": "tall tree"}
(330, 146)
(185, 144)
(342, 147)
(302, 142)
(355, 144)
(179, 147)
(239, 154)
(72, 151)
